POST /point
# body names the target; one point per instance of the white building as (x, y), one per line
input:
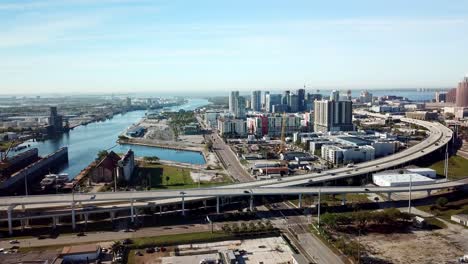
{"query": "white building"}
(397, 179)
(344, 155)
(232, 127)
(385, 148)
(424, 172)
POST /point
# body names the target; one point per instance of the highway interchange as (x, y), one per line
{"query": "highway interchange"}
(66, 204)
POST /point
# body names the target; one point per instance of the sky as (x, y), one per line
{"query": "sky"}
(111, 46)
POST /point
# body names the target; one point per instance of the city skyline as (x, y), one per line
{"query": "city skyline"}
(141, 46)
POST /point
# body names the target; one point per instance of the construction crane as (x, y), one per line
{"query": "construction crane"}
(283, 132)
(4, 157)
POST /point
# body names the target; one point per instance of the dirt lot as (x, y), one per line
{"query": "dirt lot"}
(415, 247)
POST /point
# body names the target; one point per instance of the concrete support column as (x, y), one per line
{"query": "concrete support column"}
(132, 212)
(112, 216)
(73, 216)
(183, 205)
(204, 204)
(251, 203)
(217, 204)
(10, 221)
(343, 201)
(86, 217)
(300, 201)
(428, 192)
(54, 222)
(160, 210)
(389, 196)
(22, 224)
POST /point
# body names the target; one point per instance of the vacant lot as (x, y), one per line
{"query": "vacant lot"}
(158, 176)
(458, 167)
(413, 247)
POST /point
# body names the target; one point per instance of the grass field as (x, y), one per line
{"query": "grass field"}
(170, 177)
(453, 207)
(458, 167)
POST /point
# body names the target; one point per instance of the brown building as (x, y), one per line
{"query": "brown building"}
(462, 93)
(422, 115)
(451, 96)
(106, 169)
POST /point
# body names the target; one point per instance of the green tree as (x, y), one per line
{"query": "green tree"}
(102, 154)
(442, 202)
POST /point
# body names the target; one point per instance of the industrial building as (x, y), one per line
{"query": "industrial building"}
(347, 154)
(136, 131)
(398, 179)
(113, 166)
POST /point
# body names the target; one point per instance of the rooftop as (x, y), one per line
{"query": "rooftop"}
(397, 177)
(356, 140)
(78, 249)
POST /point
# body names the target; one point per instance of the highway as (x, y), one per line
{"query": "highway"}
(439, 135)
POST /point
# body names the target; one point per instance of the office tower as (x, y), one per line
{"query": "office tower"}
(293, 103)
(240, 108)
(264, 99)
(462, 93)
(55, 120)
(349, 95)
(440, 97)
(233, 96)
(335, 96)
(301, 99)
(272, 99)
(285, 98)
(451, 96)
(255, 101)
(365, 97)
(333, 116)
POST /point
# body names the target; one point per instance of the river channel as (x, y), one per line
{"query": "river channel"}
(84, 142)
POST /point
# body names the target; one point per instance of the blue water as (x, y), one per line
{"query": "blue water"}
(84, 142)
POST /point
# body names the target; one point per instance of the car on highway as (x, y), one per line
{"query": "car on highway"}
(15, 241)
(366, 190)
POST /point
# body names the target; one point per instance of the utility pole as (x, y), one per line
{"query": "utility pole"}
(409, 201)
(318, 209)
(446, 162)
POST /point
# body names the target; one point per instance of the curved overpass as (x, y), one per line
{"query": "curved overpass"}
(439, 136)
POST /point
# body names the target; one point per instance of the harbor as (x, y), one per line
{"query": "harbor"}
(84, 142)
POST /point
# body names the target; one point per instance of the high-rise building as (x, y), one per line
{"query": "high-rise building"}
(233, 96)
(294, 103)
(335, 95)
(240, 108)
(264, 99)
(301, 99)
(440, 97)
(365, 97)
(333, 116)
(55, 120)
(272, 99)
(349, 95)
(237, 104)
(451, 96)
(255, 100)
(285, 99)
(462, 93)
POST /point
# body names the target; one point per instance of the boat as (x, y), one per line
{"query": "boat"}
(52, 180)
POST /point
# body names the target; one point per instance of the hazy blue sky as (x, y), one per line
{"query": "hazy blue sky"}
(119, 45)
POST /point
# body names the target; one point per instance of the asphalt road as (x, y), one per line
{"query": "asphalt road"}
(228, 158)
(68, 239)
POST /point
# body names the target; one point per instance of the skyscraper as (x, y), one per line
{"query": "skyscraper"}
(462, 93)
(440, 97)
(240, 108)
(335, 95)
(55, 120)
(333, 116)
(272, 99)
(293, 103)
(255, 101)
(264, 99)
(233, 96)
(300, 99)
(285, 98)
